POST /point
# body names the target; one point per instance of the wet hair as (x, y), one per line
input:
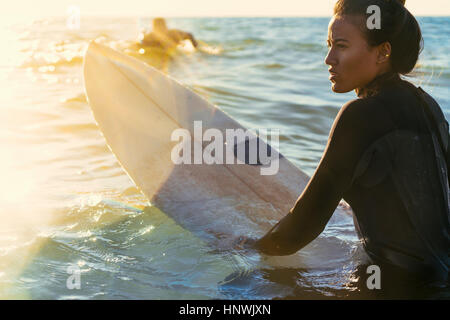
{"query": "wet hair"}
(398, 27)
(159, 25)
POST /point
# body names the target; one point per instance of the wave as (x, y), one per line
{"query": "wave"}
(270, 66)
(306, 46)
(50, 61)
(224, 93)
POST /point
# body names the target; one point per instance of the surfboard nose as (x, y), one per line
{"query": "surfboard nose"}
(93, 46)
(102, 68)
(102, 63)
(91, 57)
(97, 48)
(92, 67)
(94, 55)
(97, 58)
(92, 50)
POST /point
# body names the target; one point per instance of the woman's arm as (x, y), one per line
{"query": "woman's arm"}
(191, 37)
(349, 137)
(178, 35)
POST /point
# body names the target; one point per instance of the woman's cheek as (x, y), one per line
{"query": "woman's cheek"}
(353, 66)
(352, 62)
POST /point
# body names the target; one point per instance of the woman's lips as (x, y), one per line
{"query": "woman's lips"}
(333, 76)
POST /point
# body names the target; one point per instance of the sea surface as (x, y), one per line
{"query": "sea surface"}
(67, 208)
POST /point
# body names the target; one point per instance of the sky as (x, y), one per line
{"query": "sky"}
(188, 8)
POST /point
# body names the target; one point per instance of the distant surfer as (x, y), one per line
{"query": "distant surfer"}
(165, 38)
(387, 152)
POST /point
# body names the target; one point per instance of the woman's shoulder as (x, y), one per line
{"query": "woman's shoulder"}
(395, 97)
(354, 118)
(398, 106)
(364, 117)
(400, 92)
(358, 109)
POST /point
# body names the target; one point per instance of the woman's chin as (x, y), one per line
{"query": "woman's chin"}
(335, 87)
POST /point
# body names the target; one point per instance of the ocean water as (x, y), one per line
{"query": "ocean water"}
(65, 202)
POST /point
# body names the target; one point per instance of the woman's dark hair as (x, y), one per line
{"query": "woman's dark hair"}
(398, 27)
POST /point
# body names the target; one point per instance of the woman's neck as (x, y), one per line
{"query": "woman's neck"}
(376, 84)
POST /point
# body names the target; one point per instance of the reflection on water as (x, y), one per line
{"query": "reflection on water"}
(65, 200)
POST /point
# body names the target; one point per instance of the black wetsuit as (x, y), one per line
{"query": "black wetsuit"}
(379, 158)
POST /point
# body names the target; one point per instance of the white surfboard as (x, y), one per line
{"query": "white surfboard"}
(137, 108)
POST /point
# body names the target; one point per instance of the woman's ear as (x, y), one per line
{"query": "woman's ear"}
(384, 52)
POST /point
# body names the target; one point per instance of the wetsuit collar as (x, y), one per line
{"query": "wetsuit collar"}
(377, 84)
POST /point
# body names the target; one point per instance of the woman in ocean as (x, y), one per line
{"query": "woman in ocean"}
(166, 38)
(387, 150)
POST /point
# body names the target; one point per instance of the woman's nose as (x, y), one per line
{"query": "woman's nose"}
(330, 59)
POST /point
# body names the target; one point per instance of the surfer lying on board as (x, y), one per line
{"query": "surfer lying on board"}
(387, 152)
(165, 38)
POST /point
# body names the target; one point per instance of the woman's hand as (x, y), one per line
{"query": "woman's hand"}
(244, 243)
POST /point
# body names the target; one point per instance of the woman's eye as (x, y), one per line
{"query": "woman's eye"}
(339, 45)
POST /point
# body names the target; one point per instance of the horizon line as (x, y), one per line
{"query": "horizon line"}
(110, 15)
